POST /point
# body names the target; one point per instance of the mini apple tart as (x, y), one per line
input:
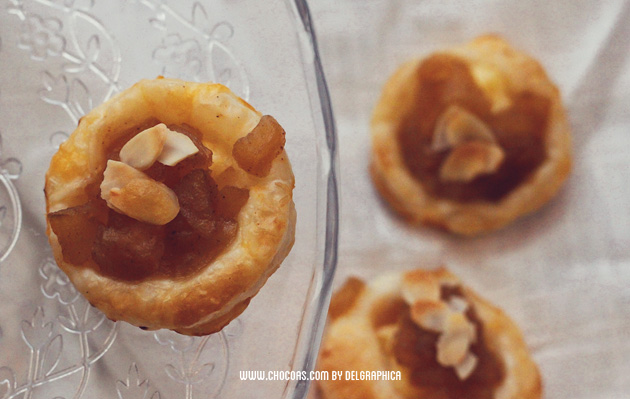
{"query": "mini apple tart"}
(434, 337)
(470, 138)
(171, 204)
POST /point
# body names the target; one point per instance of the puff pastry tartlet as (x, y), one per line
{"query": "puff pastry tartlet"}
(470, 138)
(171, 204)
(444, 340)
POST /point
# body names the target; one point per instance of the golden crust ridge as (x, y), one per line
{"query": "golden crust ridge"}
(205, 302)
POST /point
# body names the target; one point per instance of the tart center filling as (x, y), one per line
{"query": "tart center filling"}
(438, 337)
(159, 212)
(469, 137)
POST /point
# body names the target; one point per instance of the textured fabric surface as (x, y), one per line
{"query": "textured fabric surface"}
(563, 273)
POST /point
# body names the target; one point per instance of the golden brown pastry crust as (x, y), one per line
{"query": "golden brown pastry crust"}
(408, 197)
(205, 302)
(351, 343)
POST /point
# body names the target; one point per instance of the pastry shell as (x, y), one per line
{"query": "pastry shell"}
(408, 197)
(202, 303)
(352, 343)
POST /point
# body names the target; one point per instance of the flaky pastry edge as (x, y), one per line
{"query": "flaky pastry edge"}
(206, 302)
(407, 196)
(350, 343)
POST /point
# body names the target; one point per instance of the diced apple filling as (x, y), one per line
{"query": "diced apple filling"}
(168, 220)
(501, 131)
(255, 152)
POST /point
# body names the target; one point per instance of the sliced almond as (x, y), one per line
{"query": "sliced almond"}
(451, 349)
(458, 304)
(470, 160)
(465, 368)
(177, 147)
(456, 125)
(386, 336)
(453, 344)
(146, 200)
(420, 286)
(117, 174)
(494, 84)
(145, 147)
(432, 316)
(132, 193)
(458, 323)
(445, 277)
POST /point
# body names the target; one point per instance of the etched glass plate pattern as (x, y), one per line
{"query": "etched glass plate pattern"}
(59, 59)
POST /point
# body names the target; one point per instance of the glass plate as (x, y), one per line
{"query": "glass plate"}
(59, 58)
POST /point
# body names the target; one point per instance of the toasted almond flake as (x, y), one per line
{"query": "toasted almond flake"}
(445, 277)
(448, 318)
(458, 323)
(386, 336)
(494, 84)
(420, 287)
(132, 193)
(116, 175)
(451, 349)
(453, 344)
(458, 304)
(432, 316)
(177, 147)
(470, 160)
(144, 148)
(456, 125)
(465, 368)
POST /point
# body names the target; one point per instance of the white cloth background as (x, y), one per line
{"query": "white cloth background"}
(563, 273)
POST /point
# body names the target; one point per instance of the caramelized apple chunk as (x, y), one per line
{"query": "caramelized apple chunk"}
(120, 232)
(203, 205)
(463, 144)
(127, 248)
(76, 229)
(255, 152)
(206, 223)
(230, 201)
(197, 193)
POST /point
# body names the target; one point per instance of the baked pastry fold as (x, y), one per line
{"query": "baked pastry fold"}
(470, 138)
(203, 299)
(444, 340)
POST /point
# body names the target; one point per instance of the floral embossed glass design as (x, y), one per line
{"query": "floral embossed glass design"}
(59, 59)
